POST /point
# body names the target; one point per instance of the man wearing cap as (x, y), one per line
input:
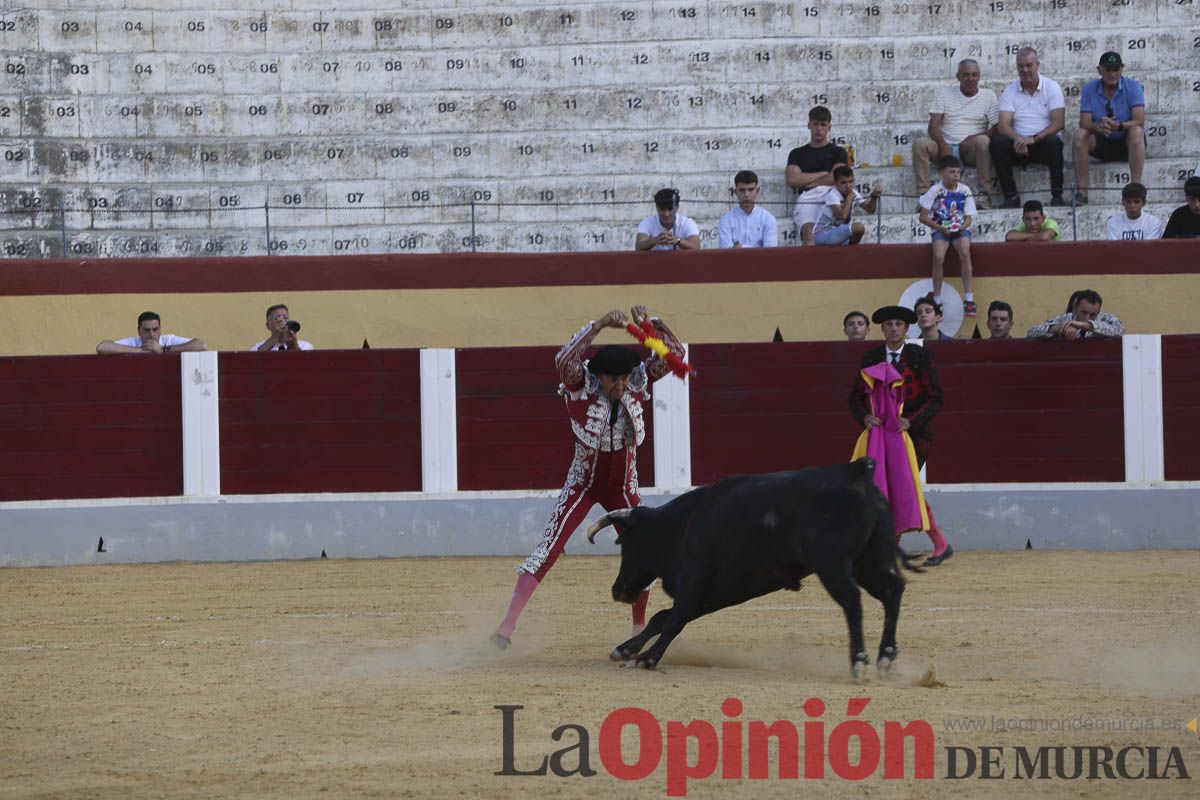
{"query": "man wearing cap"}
(921, 398)
(667, 229)
(604, 397)
(1112, 118)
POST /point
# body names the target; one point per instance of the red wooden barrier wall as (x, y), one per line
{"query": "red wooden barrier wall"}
(1181, 407)
(513, 430)
(1029, 411)
(767, 407)
(1022, 411)
(349, 421)
(85, 426)
(325, 421)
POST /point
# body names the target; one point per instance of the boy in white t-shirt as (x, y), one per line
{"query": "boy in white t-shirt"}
(667, 229)
(833, 225)
(948, 209)
(1134, 224)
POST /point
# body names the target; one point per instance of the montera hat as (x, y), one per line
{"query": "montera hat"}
(901, 313)
(1111, 59)
(613, 359)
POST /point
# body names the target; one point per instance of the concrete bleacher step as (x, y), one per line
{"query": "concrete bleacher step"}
(163, 127)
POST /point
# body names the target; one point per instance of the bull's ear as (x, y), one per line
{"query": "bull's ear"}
(866, 469)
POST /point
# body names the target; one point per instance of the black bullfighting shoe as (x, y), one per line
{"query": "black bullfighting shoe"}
(934, 561)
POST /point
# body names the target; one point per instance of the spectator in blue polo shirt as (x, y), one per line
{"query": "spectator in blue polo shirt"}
(1112, 118)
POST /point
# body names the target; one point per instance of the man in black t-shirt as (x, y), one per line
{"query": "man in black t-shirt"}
(1185, 220)
(810, 171)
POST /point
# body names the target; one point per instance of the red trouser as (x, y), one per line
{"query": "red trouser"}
(595, 476)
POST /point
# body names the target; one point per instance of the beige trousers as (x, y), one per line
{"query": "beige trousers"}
(973, 152)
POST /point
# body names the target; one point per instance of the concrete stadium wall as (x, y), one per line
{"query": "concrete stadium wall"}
(142, 128)
(1064, 516)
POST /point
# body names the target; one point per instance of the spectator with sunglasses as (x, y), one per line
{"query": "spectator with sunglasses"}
(1112, 118)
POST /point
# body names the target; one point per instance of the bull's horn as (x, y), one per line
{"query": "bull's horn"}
(608, 519)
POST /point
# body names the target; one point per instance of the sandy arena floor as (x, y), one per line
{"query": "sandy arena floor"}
(374, 678)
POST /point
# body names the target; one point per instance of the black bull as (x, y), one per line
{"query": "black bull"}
(746, 536)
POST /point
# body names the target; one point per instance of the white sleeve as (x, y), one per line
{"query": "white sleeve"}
(969, 206)
(1007, 100)
(689, 228)
(926, 201)
(993, 111)
(646, 226)
(1155, 228)
(1113, 228)
(1054, 96)
(770, 231)
(724, 232)
(939, 102)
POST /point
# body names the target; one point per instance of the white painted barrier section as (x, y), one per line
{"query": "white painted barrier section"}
(672, 432)
(201, 424)
(439, 421)
(1141, 375)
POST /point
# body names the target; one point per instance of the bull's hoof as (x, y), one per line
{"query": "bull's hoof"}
(618, 655)
(645, 662)
(500, 640)
(858, 667)
(887, 660)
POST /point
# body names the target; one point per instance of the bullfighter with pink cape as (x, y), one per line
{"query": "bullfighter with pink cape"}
(895, 397)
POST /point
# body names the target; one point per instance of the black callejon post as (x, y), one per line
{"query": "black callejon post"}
(267, 218)
(62, 221)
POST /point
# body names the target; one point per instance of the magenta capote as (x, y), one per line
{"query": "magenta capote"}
(724, 749)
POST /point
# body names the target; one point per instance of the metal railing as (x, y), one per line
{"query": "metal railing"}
(56, 223)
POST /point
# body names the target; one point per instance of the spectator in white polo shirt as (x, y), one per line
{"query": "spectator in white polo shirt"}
(1032, 117)
(962, 121)
(747, 225)
(150, 339)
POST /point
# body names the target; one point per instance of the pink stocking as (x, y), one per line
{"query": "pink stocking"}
(526, 583)
(935, 533)
(639, 610)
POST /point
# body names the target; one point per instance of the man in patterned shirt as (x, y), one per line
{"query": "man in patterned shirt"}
(1084, 320)
(604, 397)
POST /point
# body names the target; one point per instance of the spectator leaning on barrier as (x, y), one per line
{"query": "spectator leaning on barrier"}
(856, 326)
(283, 332)
(1185, 220)
(962, 121)
(1032, 115)
(999, 320)
(748, 225)
(929, 316)
(1035, 225)
(1083, 320)
(810, 169)
(1112, 118)
(149, 339)
(1134, 224)
(668, 229)
(833, 225)
(948, 208)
